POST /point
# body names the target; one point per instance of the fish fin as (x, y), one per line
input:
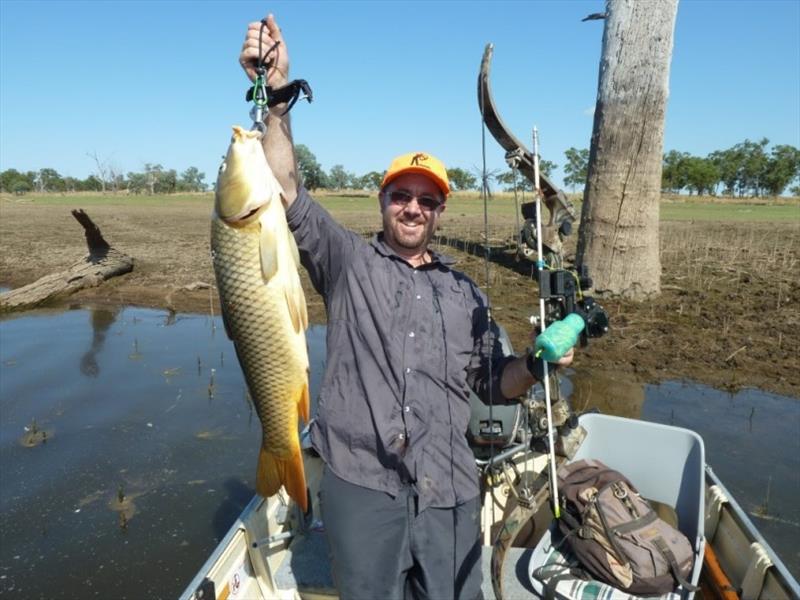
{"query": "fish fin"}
(296, 302)
(225, 323)
(304, 404)
(274, 471)
(269, 250)
(303, 315)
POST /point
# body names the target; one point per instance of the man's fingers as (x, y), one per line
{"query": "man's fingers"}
(263, 45)
(267, 45)
(267, 41)
(255, 34)
(273, 28)
(567, 358)
(249, 55)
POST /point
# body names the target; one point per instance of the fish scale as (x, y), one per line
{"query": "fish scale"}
(261, 328)
(270, 344)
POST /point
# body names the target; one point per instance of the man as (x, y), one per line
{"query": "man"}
(407, 338)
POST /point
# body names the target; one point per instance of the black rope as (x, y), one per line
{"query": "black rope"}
(262, 58)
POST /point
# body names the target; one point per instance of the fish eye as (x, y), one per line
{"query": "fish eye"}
(223, 166)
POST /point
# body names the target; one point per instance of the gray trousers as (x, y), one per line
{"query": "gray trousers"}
(383, 548)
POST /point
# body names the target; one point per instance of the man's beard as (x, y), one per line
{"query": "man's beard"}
(411, 240)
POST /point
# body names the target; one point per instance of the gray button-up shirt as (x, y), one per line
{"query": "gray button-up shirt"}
(404, 347)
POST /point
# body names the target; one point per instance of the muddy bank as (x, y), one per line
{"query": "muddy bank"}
(728, 315)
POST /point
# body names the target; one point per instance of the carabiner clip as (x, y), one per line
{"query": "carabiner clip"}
(259, 96)
(260, 89)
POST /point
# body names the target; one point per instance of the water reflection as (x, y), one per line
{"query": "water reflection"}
(607, 393)
(101, 320)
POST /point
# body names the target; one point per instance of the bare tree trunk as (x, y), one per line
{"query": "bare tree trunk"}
(618, 237)
(102, 262)
(102, 169)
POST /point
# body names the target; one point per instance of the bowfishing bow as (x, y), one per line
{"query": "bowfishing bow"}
(563, 308)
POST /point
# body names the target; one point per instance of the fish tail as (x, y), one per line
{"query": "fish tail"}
(274, 471)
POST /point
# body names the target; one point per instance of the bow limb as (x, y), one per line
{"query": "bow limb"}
(561, 209)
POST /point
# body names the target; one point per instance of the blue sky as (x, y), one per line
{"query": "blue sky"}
(159, 82)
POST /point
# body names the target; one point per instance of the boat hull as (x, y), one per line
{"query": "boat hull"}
(274, 552)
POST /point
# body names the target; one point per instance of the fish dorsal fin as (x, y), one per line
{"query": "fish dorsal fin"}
(268, 245)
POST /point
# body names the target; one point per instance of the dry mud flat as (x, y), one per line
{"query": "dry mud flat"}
(729, 314)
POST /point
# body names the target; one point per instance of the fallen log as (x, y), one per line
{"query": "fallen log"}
(103, 262)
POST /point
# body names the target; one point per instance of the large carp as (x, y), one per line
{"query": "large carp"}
(263, 307)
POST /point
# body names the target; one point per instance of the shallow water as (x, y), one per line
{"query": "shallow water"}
(128, 404)
(752, 441)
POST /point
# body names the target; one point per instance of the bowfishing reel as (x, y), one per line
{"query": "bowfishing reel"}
(561, 290)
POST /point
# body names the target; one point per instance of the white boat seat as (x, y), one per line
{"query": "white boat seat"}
(665, 463)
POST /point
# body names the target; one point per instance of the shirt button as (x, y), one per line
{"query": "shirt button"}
(408, 369)
(401, 437)
(406, 409)
(411, 334)
(419, 297)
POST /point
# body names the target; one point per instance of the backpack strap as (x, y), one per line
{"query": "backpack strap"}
(665, 551)
(650, 517)
(554, 573)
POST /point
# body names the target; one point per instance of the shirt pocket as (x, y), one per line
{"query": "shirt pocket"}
(456, 320)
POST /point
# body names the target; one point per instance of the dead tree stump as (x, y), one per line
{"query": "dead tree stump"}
(103, 262)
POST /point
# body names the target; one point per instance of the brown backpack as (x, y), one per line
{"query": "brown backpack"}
(616, 535)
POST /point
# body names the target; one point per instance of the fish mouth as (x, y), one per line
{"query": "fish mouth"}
(245, 215)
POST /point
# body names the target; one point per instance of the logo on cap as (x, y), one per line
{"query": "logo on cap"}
(418, 157)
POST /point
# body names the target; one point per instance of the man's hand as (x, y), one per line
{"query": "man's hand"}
(566, 360)
(277, 61)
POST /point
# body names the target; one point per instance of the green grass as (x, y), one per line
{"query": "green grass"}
(741, 213)
(97, 199)
(470, 205)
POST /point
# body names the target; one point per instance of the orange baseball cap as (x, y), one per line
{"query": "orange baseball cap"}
(418, 162)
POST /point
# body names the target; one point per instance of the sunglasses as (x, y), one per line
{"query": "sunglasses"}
(426, 202)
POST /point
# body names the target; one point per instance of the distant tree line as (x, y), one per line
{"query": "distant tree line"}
(746, 169)
(338, 178)
(155, 179)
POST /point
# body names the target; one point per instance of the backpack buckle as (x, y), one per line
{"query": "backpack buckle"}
(619, 491)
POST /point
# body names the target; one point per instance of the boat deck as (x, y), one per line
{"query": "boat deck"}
(306, 568)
